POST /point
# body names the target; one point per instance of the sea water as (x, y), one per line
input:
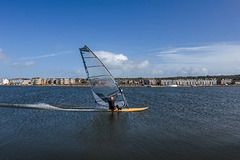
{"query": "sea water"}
(181, 123)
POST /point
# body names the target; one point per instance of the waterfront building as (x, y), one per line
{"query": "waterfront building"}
(141, 82)
(78, 81)
(71, 81)
(130, 81)
(226, 81)
(4, 81)
(54, 81)
(125, 81)
(66, 81)
(49, 81)
(146, 81)
(152, 82)
(16, 81)
(60, 81)
(166, 82)
(189, 82)
(36, 81)
(149, 81)
(236, 81)
(122, 81)
(44, 81)
(26, 81)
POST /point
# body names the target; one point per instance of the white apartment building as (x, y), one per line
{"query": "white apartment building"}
(4, 81)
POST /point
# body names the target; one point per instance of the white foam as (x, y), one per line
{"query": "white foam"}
(45, 106)
(39, 106)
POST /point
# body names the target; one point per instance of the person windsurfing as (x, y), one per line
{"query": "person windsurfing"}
(111, 102)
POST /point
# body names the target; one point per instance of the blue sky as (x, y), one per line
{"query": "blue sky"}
(142, 38)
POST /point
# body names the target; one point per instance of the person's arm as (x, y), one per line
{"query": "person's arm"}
(115, 97)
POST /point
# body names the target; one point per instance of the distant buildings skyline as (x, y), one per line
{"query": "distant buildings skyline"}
(137, 82)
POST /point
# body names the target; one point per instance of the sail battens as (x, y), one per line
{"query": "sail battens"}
(89, 57)
(98, 76)
(93, 66)
(113, 93)
(100, 79)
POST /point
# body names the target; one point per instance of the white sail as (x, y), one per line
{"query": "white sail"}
(100, 79)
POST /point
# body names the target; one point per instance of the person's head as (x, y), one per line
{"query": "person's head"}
(111, 98)
(121, 90)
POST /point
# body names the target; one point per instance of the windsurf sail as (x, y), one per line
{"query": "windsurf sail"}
(100, 79)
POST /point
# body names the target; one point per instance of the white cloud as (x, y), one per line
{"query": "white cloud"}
(193, 71)
(201, 60)
(120, 66)
(184, 49)
(120, 61)
(2, 56)
(47, 55)
(203, 54)
(172, 65)
(23, 64)
(155, 71)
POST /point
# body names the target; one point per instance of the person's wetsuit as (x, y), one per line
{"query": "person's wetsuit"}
(111, 103)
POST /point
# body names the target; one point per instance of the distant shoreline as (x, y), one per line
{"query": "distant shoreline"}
(121, 86)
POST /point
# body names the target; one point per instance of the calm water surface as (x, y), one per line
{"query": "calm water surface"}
(181, 123)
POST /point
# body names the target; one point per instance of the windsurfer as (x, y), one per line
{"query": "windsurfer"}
(111, 102)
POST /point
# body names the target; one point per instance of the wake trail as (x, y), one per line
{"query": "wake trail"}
(44, 106)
